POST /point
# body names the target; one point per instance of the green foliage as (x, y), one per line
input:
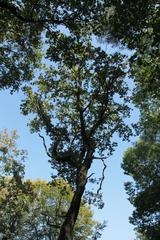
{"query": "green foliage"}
(81, 100)
(47, 209)
(18, 53)
(140, 237)
(142, 163)
(35, 209)
(128, 21)
(25, 26)
(13, 198)
(80, 103)
(136, 24)
(79, 95)
(11, 158)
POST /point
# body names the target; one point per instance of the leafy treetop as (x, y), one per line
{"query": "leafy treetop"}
(27, 26)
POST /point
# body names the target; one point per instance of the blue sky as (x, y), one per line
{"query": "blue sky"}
(117, 208)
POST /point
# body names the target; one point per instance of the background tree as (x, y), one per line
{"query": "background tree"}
(14, 192)
(47, 211)
(35, 209)
(142, 163)
(136, 25)
(134, 18)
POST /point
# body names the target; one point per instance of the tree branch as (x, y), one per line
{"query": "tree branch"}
(81, 116)
(103, 177)
(103, 109)
(45, 118)
(101, 158)
(44, 144)
(51, 224)
(90, 176)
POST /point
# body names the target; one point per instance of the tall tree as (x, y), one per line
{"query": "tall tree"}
(80, 103)
(142, 163)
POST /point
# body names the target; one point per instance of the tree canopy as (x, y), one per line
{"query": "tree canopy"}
(136, 25)
(39, 214)
(28, 26)
(130, 20)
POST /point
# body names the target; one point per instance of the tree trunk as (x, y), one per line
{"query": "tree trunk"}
(66, 232)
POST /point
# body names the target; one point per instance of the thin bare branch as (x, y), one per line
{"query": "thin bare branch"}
(81, 116)
(45, 118)
(103, 177)
(85, 108)
(103, 109)
(44, 144)
(90, 175)
(101, 158)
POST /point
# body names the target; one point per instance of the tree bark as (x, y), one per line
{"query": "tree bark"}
(66, 231)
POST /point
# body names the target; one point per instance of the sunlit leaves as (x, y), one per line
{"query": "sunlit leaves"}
(11, 158)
